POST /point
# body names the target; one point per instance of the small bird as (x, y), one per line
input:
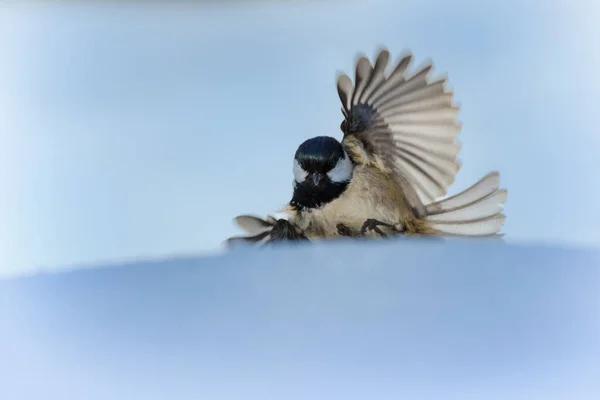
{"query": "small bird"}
(398, 154)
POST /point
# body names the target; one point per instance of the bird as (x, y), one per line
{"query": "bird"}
(390, 173)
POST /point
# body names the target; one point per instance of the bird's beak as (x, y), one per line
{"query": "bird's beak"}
(316, 178)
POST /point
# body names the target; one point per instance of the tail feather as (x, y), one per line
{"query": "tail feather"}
(489, 226)
(488, 206)
(476, 211)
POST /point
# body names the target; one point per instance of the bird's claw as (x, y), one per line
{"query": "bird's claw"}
(344, 231)
(372, 224)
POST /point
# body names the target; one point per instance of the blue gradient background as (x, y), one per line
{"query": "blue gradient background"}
(136, 132)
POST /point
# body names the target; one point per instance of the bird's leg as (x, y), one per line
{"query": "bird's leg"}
(373, 225)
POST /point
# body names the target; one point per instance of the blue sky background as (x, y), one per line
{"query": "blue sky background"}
(140, 131)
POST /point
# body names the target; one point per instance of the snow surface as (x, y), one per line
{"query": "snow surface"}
(386, 320)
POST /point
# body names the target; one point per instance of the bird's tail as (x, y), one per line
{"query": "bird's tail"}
(477, 211)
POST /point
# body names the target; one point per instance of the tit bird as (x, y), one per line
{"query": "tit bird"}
(398, 154)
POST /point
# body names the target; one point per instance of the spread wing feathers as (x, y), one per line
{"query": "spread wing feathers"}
(254, 225)
(477, 211)
(264, 231)
(406, 119)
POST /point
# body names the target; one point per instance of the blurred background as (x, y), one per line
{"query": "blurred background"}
(139, 131)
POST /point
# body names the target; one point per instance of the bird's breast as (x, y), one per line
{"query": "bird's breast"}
(371, 193)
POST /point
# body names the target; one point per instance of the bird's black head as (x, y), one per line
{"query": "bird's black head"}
(322, 170)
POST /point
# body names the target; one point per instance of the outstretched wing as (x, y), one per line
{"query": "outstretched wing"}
(265, 231)
(406, 119)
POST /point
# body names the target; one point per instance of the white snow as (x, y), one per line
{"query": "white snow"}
(387, 320)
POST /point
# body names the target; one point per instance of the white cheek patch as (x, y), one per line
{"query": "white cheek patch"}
(342, 172)
(299, 174)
